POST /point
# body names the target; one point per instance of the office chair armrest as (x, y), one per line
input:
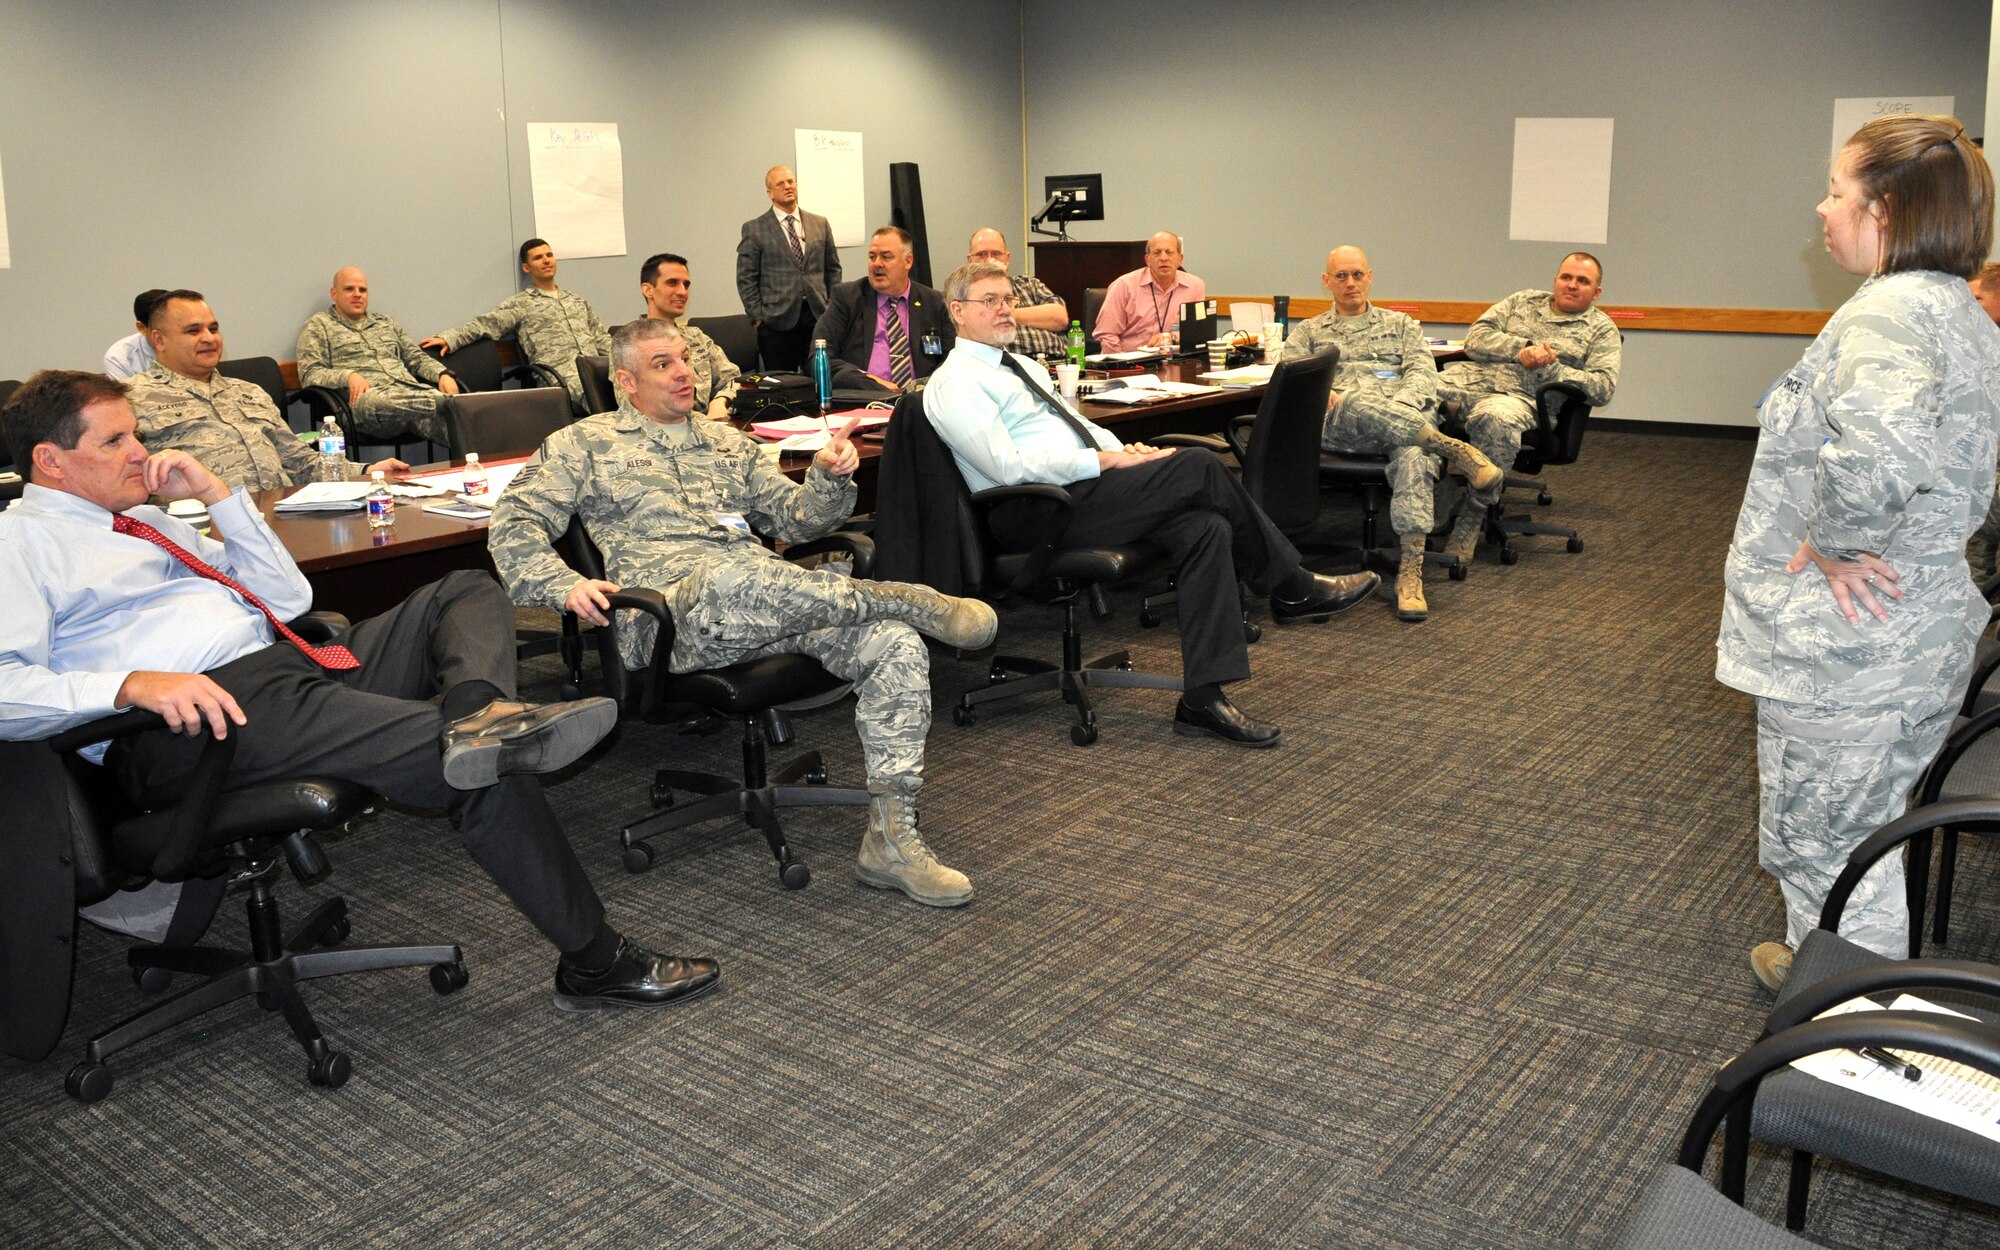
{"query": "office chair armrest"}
(859, 546)
(1956, 743)
(538, 375)
(1961, 975)
(1565, 426)
(321, 627)
(654, 604)
(195, 808)
(1043, 549)
(1207, 442)
(1970, 815)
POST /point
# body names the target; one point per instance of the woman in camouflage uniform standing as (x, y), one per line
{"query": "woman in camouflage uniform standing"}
(1848, 610)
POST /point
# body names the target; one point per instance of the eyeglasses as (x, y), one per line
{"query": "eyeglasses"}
(993, 303)
(1348, 275)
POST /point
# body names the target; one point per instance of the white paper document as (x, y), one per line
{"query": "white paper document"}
(1562, 179)
(579, 185)
(1122, 358)
(829, 170)
(1246, 317)
(1851, 114)
(1244, 375)
(325, 497)
(1947, 1091)
(1145, 388)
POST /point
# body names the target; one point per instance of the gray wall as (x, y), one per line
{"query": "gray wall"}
(1392, 127)
(249, 149)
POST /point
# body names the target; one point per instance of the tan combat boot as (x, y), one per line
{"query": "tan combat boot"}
(1465, 535)
(1478, 471)
(1410, 605)
(894, 857)
(968, 624)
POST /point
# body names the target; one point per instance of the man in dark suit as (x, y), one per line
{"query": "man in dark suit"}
(885, 330)
(785, 265)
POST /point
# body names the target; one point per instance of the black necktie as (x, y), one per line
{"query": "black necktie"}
(1054, 405)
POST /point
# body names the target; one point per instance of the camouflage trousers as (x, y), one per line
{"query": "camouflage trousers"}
(386, 409)
(1828, 775)
(1495, 425)
(1370, 423)
(736, 610)
(1985, 541)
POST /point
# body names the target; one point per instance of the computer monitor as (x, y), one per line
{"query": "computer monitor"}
(1071, 197)
(1081, 196)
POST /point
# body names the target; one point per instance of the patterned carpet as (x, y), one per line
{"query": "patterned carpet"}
(1448, 969)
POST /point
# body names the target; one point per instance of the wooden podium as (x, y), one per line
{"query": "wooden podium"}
(1069, 267)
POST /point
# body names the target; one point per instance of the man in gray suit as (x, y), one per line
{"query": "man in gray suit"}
(785, 265)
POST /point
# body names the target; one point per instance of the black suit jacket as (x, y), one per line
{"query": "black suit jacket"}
(848, 326)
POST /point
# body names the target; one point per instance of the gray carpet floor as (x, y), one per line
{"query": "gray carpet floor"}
(1447, 969)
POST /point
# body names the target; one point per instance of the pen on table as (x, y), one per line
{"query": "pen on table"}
(1883, 1059)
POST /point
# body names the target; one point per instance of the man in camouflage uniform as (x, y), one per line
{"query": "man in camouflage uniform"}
(1384, 392)
(1848, 611)
(553, 326)
(230, 425)
(1523, 343)
(665, 285)
(1042, 318)
(391, 385)
(672, 504)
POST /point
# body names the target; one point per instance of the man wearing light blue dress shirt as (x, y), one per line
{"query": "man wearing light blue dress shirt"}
(1005, 426)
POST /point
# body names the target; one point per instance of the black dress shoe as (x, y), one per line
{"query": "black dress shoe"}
(636, 978)
(505, 737)
(1221, 719)
(1330, 596)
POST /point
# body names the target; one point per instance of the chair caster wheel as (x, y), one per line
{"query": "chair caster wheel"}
(1545, 499)
(570, 690)
(794, 875)
(661, 794)
(996, 676)
(1083, 735)
(1509, 556)
(449, 978)
(638, 857)
(337, 932)
(87, 1082)
(1252, 631)
(963, 716)
(1123, 666)
(152, 980)
(1458, 571)
(817, 777)
(330, 1069)
(1575, 545)
(1149, 617)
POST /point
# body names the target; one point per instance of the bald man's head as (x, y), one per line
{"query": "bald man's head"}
(987, 246)
(1163, 257)
(782, 185)
(350, 293)
(1348, 278)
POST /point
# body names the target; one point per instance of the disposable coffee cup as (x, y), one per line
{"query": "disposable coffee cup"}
(1066, 379)
(1218, 354)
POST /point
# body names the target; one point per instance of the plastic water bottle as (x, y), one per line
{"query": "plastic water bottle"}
(473, 478)
(1281, 308)
(822, 371)
(381, 503)
(332, 450)
(1075, 343)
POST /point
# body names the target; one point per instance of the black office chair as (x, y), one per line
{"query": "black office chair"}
(9, 488)
(1811, 1117)
(477, 367)
(497, 422)
(598, 392)
(1561, 416)
(1678, 1209)
(735, 335)
(209, 828)
(263, 372)
(753, 691)
(1967, 767)
(1093, 303)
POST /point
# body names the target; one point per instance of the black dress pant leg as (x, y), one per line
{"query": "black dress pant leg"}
(378, 726)
(785, 351)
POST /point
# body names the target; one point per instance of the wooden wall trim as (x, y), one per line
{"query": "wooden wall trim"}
(1806, 321)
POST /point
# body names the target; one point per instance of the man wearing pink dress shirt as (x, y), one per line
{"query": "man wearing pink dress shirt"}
(1143, 308)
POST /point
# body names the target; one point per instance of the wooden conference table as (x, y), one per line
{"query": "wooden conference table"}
(360, 572)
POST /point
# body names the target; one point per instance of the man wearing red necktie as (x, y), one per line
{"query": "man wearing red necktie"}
(113, 604)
